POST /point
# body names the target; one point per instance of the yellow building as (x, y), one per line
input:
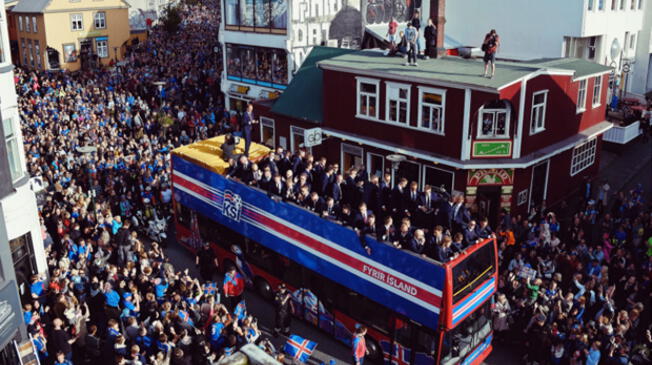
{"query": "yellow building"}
(70, 34)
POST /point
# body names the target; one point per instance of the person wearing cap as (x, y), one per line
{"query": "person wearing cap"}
(284, 308)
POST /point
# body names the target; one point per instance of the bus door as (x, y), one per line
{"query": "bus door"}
(412, 343)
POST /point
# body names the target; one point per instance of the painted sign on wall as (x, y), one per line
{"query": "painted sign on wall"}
(491, 177)
(492, 149)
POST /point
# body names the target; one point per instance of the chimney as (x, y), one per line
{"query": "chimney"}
(438, 16)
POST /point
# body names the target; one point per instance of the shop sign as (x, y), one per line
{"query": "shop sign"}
(10, 313)
(239, 89)
(491, 177)
(492, 149)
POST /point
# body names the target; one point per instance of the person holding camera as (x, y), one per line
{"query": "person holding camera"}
(284, 307)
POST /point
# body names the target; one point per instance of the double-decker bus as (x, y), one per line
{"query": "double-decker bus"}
(417, 310)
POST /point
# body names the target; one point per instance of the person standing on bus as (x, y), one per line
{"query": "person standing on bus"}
(206, 261)
(248, 122)
(359, 345)
(233, 287)
(283, 304)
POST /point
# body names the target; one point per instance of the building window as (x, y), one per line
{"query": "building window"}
(20, 23)
(640, 4)
(37, 53)
(100, 20)
(581, 96)
(397, 106)
(538, 118)
(632, 41)
(262, 66)
(590, 5)
(597, 90)
(29, 52)
(493, 123)
(76, 21)
(613, 4)
(583, 156)
(23, 46)
(34, 25)
(633, 5)
(600, 4)
(102, 47)
(367, 105)
(13, 150)
(263, 16)
(27, 25)
(297, 139)
(431, 109)
(267, 133)
(622, 4)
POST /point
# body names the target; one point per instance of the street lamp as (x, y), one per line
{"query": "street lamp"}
(396, 160)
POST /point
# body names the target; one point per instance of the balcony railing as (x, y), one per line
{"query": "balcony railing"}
(622, 134)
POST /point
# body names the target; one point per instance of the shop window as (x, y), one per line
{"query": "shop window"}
(257, 65)
(263, 16)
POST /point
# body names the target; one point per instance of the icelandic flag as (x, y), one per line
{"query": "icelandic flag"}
(299, 348)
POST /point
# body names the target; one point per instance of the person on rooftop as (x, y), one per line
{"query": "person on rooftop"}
(490, 46)
(411, 36)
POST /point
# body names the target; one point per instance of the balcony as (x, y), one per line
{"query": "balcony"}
(622, 133)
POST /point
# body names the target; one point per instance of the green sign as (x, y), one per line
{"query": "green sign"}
(492, 149)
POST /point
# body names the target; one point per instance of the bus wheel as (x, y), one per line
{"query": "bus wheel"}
(375, 352)
(263, 288)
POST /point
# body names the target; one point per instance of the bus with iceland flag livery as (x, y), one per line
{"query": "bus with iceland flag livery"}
(417, 310)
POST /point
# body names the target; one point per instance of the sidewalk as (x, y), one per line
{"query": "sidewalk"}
(621, 164)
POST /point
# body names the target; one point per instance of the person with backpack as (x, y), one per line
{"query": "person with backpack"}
(489, 47)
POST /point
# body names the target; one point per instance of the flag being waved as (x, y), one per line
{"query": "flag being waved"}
(299, 348)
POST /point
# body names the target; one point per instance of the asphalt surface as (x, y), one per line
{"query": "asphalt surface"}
(329, 349)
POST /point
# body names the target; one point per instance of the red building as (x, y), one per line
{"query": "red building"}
(530, 134)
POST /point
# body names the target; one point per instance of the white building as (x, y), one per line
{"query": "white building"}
(141, 10)
(533, 29)
(21, 243)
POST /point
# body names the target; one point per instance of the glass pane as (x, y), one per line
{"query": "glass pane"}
(501, 124)
(392, 111)
(248, 57)
(247, 13)
(262, 13)
(263, 65)
(233, 61)
(425, 116)
(436, 119)
(280, 67)
(368, 88)
(402, 93)
(232, 14)
(279, 14)
(487, 124)
(539, 98)
(402, 112)
(14, 159)
(363, 104)
(372, 106)
(432, 98)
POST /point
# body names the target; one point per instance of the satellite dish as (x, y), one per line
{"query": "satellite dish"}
(615, 49)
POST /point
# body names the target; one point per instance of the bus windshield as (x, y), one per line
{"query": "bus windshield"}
(460, 341)
(473, 270)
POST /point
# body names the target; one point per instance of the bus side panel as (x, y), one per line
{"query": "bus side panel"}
(410, 285)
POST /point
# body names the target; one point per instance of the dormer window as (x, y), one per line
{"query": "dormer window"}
(493, 120)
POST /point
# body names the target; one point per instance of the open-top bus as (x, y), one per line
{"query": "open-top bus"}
(418, 311)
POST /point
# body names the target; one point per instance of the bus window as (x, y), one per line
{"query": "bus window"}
(371, 313)
(473, 271)
(461, 340)
(183, 214)
(290, 272)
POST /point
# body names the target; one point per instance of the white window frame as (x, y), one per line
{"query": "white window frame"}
(495, 111)
(583, 156)
(396, 85)
(12, 144)
(268, 123)
(359, 93)
(442, 107)
(28, 26)
(297, 130)
(105, 47)
(597, 91)
(20, 23)
(534, 128)
(581, 96)
(77, 17)
(102, 19)
(368, 163)
(353, 150)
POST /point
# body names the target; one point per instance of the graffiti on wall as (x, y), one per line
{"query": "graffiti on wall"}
(382, 11)
(311, 20)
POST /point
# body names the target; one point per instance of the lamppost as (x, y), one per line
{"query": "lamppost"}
(396, 160)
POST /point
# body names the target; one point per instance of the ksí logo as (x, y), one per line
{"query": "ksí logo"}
(232, 205)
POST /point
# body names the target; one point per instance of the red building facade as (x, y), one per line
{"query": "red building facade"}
(531, 134)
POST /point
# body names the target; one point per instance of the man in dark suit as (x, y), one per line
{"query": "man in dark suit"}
(270, 162)
(398, 198)
(386, 231)
(402, 237)
(323, 181)
(243, 170)
(276, 186)
(470, 234)
(266, 179)
(330, 209)
(361, 216)
(283, 162)
(371, 194)
(349, 185)
(385, 187)
(345, 216)
(298, 162)
(461, 215)
(335, 190)
(428, 200)
(314, 203)
(418, 242)
(483, 230)
(412, 201)
(248, 122)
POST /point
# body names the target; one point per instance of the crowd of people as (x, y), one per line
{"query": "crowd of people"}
(100, 141)
(574, 288)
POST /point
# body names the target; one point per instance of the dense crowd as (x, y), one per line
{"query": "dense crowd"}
(575, 286)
